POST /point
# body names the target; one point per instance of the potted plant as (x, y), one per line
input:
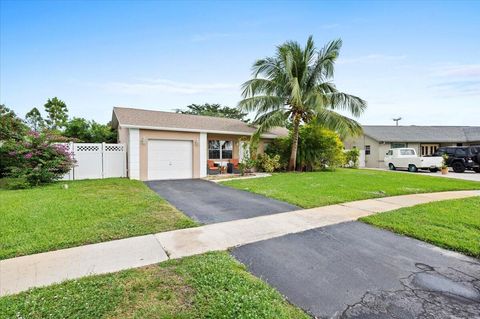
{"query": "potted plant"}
(444, 164)
(247, 166)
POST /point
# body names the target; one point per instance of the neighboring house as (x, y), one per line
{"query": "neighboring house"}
(376, 140)
(165, 145)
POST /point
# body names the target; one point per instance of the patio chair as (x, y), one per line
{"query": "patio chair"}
(235, 162)
(211, 168)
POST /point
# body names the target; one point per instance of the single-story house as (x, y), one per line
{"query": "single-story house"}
(166, 145)
(376, 140)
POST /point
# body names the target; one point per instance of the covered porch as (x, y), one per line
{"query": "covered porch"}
(224, 154)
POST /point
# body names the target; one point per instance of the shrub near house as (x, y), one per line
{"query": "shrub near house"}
(318, 148)
(33, 161)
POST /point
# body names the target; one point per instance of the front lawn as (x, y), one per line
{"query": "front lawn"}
(212, 285)
(90, 211)
(343, 185)
(451, 224)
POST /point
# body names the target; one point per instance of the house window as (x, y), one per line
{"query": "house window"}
(398, 145)
(220, 149)
(367, 149)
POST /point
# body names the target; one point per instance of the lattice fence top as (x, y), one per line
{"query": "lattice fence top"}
(87, 148)
(114, 147)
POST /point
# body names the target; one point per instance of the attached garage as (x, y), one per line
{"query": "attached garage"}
(170, 159)
(165, 145)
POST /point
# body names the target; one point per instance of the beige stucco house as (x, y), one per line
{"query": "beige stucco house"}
(166, 145)
(376, 140)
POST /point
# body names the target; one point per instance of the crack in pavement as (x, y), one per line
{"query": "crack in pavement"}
(429, 293)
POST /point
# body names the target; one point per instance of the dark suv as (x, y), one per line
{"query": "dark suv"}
(461, 158)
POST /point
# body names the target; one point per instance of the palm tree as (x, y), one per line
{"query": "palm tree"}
(295, 86)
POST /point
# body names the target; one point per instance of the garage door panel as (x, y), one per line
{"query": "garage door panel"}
(168, 159)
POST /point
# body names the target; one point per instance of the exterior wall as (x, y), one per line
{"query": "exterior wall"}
(372, 160)
(146, 135)
(122, 135)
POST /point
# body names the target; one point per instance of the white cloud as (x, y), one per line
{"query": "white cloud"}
(463, 70)
(155, 86)
(458, 88)
(463, 80)
(371, 58)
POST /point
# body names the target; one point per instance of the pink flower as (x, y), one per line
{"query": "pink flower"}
(28, 155)
(33, 133)
(12, 153)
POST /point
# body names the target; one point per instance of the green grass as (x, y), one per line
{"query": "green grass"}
(51, 217)
(451, 224)
(342, 185)
(212, 285)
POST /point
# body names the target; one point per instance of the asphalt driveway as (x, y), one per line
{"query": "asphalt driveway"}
(208, 202)
(353, 270)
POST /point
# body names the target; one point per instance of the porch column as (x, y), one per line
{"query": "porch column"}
(203, 154)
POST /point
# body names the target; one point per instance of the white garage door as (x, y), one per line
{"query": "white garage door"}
(170, 159)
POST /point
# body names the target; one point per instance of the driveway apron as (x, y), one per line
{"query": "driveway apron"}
(353, 270)
(208, 202)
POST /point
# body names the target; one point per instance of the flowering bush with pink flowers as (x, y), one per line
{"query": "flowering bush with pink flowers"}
(35, 159)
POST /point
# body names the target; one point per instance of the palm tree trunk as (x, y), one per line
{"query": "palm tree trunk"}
(293, 155)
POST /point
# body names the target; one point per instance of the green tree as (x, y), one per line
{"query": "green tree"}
(83, 130)
(102, 133)
(34, 119)
(78, 128)
(57, 113)
(11, 126)
(295, 87)
(214, 110)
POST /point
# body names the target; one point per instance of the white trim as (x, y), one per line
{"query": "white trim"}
(134, 153)
(203, 154)
(175, 129)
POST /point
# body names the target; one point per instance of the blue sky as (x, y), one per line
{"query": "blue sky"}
(418, 60)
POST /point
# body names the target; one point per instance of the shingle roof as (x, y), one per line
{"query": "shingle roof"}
(132, 117)
(437, 134)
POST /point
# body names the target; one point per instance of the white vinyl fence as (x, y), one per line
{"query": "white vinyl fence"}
(97, 160)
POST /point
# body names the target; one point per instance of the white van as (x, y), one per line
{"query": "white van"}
(407, 158)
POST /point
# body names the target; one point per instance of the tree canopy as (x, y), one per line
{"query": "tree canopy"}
(11, 126)
(57, 113)
(35, 120)
(89, 131)
(216, 110)
(295, 86)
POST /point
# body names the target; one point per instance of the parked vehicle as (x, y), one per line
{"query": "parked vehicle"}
(407, 158)
(461, 158)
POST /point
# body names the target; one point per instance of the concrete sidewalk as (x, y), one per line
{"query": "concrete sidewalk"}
(19, 274)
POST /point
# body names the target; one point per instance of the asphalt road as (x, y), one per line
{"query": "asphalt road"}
(353, 270)
(208, 202)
